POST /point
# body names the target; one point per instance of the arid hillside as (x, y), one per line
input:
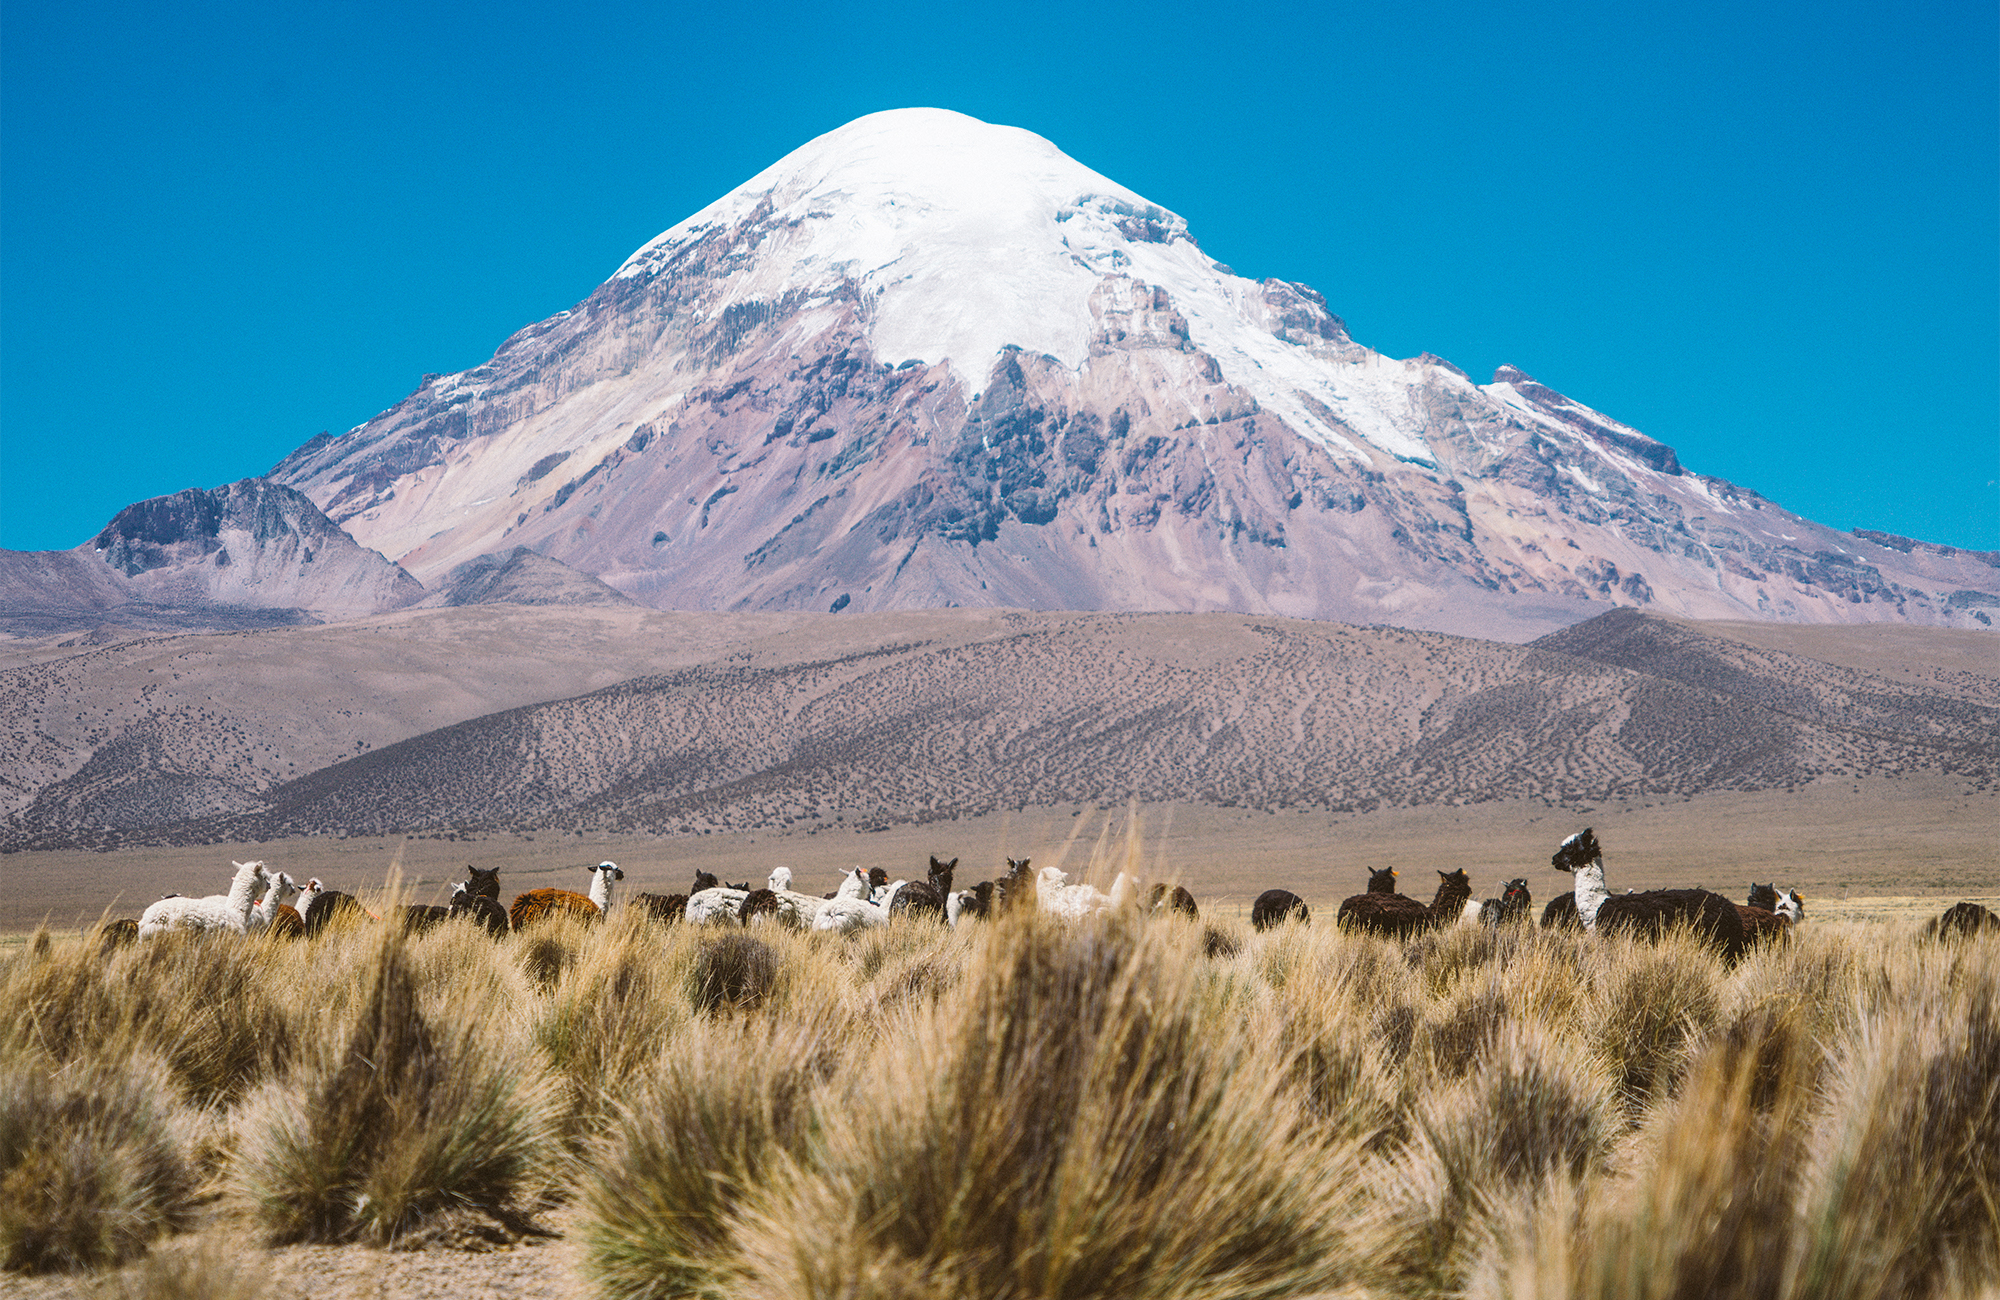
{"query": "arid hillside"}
(614, 720)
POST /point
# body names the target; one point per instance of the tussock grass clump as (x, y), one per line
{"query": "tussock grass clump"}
(206, 1005)
(90, 1168)
(1019, 1144)
(729, 1099)
(1906, 1186)
(608, 1021)
(215, 1269)
(1654, 1006)
(733, 971)
(398, 1120)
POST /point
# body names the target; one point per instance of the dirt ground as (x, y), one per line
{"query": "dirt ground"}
(1839, 842)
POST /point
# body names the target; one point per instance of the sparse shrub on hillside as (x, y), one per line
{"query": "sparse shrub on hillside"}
(90, 1168)
(397, 1119)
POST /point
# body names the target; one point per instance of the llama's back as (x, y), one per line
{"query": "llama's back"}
(1394, 915)
(1276, 906)
(1561, 913)
(540, 904)
(1649, 914)
(1760, 926)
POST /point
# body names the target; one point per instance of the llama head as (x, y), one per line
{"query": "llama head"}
(1578, 850)
(1764, 896)
(878, 878)
(1052, 877)
(941, 874)
(1382, 881)
(602, 877)
(703, 880)
(283, 889)
(483, 882)
(780, 881)
(1791, 903)
(1516, 892)
(1454, 882)
(1018, 866)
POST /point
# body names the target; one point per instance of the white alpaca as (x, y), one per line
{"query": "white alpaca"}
(282, 891)
(1791, 906)
(602, 876)
(794, 909)
(718, 906)
(852, 909)
(229, 911)
(1060, 898)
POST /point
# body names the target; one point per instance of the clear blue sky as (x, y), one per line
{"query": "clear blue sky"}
(1763, 233)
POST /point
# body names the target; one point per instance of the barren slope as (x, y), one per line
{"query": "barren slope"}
(774, 722)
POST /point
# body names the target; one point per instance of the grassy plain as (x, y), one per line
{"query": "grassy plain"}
(1923, 839)
(1030, 1108)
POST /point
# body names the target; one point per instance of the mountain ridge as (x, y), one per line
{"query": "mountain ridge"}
(692, 723)
(925, 361)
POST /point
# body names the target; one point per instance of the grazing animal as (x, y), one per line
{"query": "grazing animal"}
(851, 907)
(975, 903)
(1058, 897)
(1380, 909)
(1561, 914)
(286, 923)
(718, 904)
(1178, 901)
(422, 918)
(320, 907)
(1512, 905)
(1017, 888)
(230, 911)
(1792, 906)
(1960, 921)
(759, 905)
(282, 892)
(113, 935)
(1764, 896)
(664, 908)
(1760, 926)
(537, 904)
(1647, 914)
(483, 909)
(929, 897)
(1274, 907)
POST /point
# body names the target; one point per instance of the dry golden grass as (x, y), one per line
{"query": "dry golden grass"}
(1036, 1109)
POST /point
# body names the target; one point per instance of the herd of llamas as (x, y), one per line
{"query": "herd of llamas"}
(260, 901)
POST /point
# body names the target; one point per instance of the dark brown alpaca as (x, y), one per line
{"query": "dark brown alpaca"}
(1649, 914)
(1177, 900)
(667, 909)
(113, 935)
(1398, 915)
(926, 897)
(1274, 907)
(1963, 921)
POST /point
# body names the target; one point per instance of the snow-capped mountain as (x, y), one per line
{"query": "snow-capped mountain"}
(924, 361)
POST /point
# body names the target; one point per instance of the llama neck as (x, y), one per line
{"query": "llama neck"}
(1590, 893)
(243, 890)
(600, 891)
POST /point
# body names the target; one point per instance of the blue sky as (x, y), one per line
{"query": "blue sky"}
(1765, 234)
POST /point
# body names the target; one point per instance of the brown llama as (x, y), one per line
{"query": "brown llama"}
(1274, 907)
(1177, 900)
(1963, 921)
(1651, 913)
(539, 904)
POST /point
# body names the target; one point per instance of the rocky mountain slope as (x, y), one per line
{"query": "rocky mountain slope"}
(247, 554)
(924, 361)
(733, 722)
